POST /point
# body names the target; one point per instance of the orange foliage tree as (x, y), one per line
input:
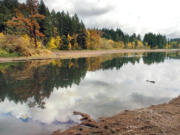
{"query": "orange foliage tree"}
(28, 23)
(93, 40)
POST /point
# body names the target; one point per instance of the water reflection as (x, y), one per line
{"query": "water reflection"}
(32, 82)
(41, 95)
(151, 58)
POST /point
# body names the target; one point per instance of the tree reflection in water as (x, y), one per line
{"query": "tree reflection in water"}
(34, 81)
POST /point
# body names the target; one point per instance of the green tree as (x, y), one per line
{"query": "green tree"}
(46, 26)
(155, 40)
(65, 43)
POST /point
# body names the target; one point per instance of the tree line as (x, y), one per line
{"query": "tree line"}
(34, 24)
(150, 39)
(40, 22)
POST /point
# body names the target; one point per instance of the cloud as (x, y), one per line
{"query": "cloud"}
(88, 12)
(91, 8)
(132, 16)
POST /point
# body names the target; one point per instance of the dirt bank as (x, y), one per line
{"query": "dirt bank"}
(161, 119)
(82, 54)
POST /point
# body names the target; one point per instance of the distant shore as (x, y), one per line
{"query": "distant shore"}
(81, 54)
(161, 119)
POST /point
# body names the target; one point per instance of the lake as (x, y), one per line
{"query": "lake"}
(39, 97)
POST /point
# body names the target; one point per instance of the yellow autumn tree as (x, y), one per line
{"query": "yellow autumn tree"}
(129, 45)
(140, 44)
(51, 43)
(121, 44)
(69, 40)
(168, 46)
(55, 42)
(133, 45)
(2, 38)
(93, 39)
(26, 40)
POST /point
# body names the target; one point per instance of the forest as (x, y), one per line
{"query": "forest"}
(30, 28)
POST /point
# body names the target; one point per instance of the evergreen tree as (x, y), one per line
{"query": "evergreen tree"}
(7, 11)
(65, 43)
(46, 26)
(155, 41)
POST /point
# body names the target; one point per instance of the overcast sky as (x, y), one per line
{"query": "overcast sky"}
(132, 16)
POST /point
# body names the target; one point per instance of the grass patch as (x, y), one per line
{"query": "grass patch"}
(4, 53)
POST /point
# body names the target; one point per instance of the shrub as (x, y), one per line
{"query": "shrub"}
(2, 38)
(21, 45)
(139, 44)
(3, 52)
(11, 45)
(41, 52)
(54, 43)
(16, 44)
(106, 44)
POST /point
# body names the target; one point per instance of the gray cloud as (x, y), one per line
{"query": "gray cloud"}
(131, 18)
(90, 8)
(88, 12)
(175, 34)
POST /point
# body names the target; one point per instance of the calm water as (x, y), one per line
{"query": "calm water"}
(39, 97)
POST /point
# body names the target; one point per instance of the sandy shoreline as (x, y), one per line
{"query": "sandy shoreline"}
(161, 119)
(81, 54)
